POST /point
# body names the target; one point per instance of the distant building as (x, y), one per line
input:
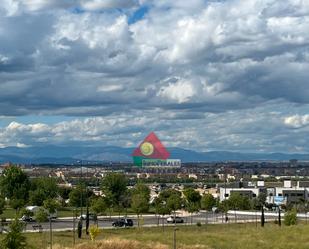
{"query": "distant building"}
(287, 193)
(225, 193)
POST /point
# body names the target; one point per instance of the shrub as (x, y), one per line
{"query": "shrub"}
(198, 224)
(94, 232)
(290, 218)
(14, 239)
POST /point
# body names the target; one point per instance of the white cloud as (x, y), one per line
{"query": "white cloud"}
(109, 88)
(297, 121)
(181, 91)
(21, 145)
(10, 7)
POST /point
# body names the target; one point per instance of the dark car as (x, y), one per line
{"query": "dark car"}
(123, 223)
(27, 218)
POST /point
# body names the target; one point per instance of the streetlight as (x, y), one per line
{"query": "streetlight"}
(87, 204)
(279, 216)
(262, 217)
(74, 216)
(81, 181)
(164, 209)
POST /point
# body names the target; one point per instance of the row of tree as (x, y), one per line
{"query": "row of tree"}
(19, 190)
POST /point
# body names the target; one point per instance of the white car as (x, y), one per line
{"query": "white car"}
(91, 217)
(173, 219)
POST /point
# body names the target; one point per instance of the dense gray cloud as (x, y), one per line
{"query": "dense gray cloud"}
(177, 65)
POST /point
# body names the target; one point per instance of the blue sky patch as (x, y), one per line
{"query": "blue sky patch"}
(138, 14)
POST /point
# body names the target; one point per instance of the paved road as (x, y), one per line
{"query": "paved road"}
(150, 220)
(63, 224)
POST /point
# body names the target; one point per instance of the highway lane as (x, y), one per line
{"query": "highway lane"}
(209, 218)
(63, 224)
(67, 224)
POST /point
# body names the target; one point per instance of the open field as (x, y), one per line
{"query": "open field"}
(231, 236)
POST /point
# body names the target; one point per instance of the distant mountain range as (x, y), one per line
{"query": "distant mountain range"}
(72, 154)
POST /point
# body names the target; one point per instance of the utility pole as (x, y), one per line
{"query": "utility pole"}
(50, 232)
(174, 242)
(279, 218)
(87, 204)
(262, 217)
(226, 218)
(80, 224)
(81, 193)
(74, 214)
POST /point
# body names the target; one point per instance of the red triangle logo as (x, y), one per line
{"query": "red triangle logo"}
(154, 148)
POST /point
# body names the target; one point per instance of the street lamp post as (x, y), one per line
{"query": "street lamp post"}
(279, 216)
(164, 208)
(262, 217)
(87, 219)
(74, 214)
(81, 193)
(50, 232)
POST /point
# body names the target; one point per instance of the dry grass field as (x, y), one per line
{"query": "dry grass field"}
(231, 236)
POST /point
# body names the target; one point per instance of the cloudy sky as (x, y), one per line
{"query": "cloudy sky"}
(203, 74)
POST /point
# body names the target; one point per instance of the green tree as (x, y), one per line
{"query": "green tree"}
(15, 186)
(41, 215)
(262, 198)
(14, 239)
(168, 201)
(2, 205)
(114, 185)
(192, 200)
(17, 204)
(173, 203)
(37, 197)
(290, 217)
(208, 202)
(51, 205)
(41, 189)
(139, 204)
(125, 200)
(224, 206)
(98, 205)
(77, 196)
(160, 206)
(239, 202)
(141, 189)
